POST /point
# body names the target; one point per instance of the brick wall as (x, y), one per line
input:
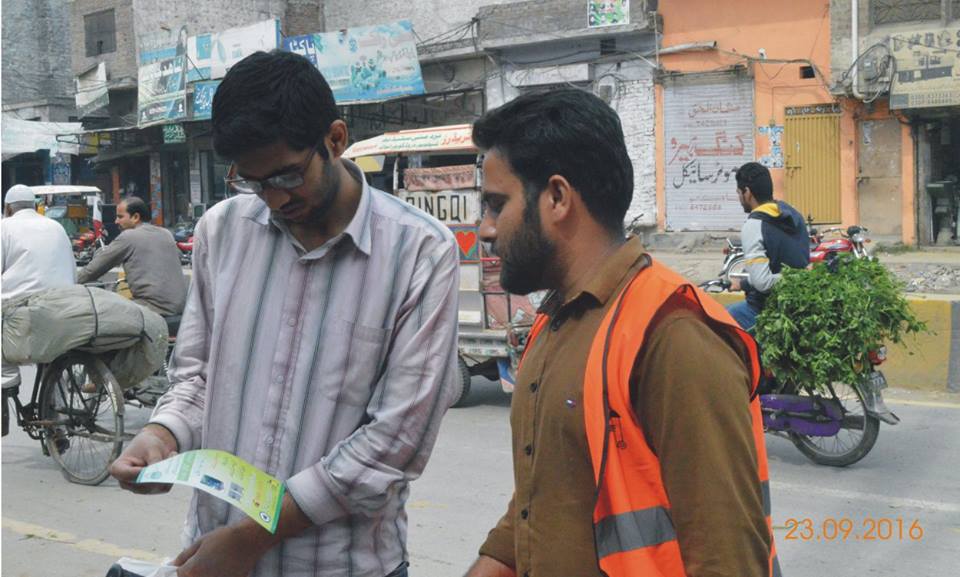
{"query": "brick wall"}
(550, 17)
(430, 17)
(157, 18)
(120, 63)
(634, 101)
(36, 51)
(303, 17)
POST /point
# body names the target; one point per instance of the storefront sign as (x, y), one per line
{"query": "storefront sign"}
(368, 64)
(211, 55)
(202, 99)
(440, 177)
(607, 13)
(168, 62)
(60, 169)
(442, 139)
(928, 68)
(161, 91)
(708, 134)
(174, 134)
(449, 206)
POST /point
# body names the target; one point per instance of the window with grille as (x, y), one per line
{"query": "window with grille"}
(900, 11)
(100, 30)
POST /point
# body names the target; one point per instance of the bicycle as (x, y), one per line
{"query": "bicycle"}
(76, 412)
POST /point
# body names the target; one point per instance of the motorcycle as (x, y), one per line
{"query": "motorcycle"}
(183, 229)
(853, 240)
(836, 424)
(86, 245)
(186, 250)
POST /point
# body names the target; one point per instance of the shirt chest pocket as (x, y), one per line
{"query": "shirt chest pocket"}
(357, 364)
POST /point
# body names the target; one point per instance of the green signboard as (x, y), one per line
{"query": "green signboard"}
(174, 134)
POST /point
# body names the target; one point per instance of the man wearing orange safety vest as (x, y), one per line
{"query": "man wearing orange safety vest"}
(637, 449)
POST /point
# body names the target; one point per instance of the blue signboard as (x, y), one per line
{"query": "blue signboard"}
(203, 99)
(368, 64)
(161, 91)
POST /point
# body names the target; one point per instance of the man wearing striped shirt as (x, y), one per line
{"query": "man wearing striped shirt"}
(318, 341)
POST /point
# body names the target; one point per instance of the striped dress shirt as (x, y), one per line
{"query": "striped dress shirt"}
(328, 369)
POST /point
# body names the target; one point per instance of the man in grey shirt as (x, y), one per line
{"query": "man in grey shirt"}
(149, 256)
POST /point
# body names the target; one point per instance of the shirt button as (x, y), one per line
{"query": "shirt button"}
(268, 440)
(534, 386)
(278, 379)
(524, 514)
(528, 449)
(291, 321)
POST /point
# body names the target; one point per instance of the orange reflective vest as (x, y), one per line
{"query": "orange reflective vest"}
(632, 528)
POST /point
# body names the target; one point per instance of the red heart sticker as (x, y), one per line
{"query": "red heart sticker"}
(467, 239)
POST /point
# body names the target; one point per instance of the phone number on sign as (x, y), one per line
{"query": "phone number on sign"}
(846, 529)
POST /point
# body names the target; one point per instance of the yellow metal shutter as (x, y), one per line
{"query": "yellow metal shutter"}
(811, 141)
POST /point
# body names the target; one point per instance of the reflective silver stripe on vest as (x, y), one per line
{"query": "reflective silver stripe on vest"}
(634, 530)
(776, 567)
(765, 489)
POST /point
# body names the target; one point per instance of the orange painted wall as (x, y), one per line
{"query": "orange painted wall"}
(786, 31)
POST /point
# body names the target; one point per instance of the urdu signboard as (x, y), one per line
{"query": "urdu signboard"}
(927, 69)
(167, 65)
(708, 134)
(366, 64)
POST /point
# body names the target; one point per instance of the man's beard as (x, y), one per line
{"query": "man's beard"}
(329, 187)
(524, 260)
(327, 190)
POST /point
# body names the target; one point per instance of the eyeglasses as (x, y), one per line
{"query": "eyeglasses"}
(286, 181)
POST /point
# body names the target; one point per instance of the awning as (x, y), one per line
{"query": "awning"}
(117, 154)
(23, 136)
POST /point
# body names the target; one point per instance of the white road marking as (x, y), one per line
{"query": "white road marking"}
(74, 542)
(933, 404)
(890, 501)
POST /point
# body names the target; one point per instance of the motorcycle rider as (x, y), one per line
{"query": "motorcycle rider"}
(149, 256)
(773, 236)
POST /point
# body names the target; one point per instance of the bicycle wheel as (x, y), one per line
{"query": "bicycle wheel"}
(857, 435)
(81, 409)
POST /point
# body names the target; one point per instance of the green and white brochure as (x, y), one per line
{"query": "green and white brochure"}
(225, 476)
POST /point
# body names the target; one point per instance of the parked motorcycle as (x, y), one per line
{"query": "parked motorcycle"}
(186, 250)
(86, 245)
(823, 245)
(183, 229)
(836, 424)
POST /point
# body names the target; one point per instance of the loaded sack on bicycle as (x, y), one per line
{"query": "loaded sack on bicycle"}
(40, 327)
(87, 343)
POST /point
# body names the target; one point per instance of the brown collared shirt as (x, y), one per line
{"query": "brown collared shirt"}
(690, 390)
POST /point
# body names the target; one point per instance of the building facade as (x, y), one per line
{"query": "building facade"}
(898, 65)
(37, 84)
(473, 55)
(743, 84)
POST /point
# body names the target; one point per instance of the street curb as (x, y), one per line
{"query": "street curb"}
(928, 361)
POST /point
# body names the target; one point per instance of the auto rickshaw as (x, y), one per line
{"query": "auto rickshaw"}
(79, 210)
(438, 171)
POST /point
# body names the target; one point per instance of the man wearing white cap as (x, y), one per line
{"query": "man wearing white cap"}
(37, 254)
